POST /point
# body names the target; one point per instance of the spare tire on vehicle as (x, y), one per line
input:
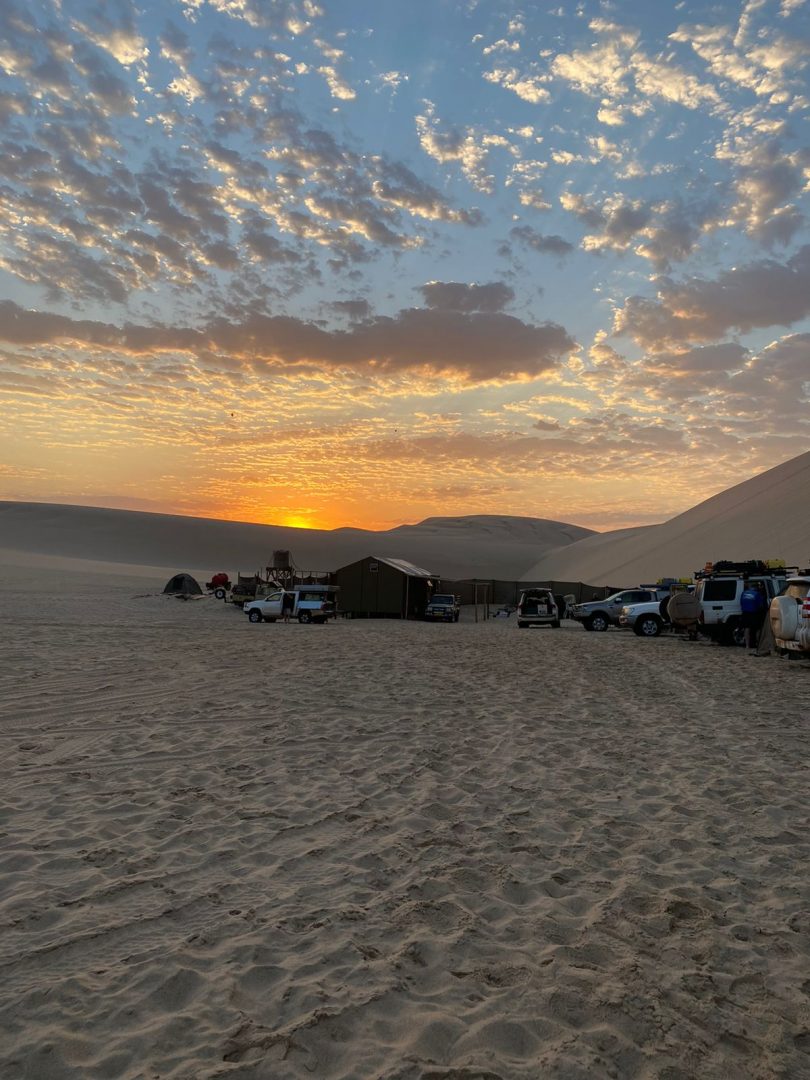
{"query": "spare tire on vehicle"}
(683, 609)
(784, 615)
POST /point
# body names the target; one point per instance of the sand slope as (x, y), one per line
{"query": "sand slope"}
(762, 518)
(477, 546)
(365, 850)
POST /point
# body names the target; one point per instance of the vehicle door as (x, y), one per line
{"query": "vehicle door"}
(271, 605)
(624, 599)
(719, 598)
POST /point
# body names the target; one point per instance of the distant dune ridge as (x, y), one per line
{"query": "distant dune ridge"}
(765, 517)
(476, 546)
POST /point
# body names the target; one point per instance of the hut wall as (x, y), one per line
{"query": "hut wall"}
(508, 592)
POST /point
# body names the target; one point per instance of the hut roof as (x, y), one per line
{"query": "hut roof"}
(404, 567)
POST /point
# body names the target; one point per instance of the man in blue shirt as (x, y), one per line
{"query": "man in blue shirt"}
(753, 605)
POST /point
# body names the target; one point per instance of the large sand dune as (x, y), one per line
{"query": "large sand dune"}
(477, 546)
(763, 518)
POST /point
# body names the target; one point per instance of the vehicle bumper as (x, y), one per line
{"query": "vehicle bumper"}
(791, 646)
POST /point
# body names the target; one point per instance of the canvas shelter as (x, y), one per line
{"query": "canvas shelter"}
(379, 587)
(183, 585)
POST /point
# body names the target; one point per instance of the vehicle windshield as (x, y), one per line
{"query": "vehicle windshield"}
(440, 599)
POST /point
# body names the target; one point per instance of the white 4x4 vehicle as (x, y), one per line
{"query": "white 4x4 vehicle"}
(600, 614)
(719, 596)
(644, 619)
(310, 604)
(537, 607)
(648, 619)
(790, 616)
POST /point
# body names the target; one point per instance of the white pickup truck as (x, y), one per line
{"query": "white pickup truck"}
(310, 604)
(790, 617)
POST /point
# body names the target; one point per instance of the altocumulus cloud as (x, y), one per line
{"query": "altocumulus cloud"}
(476, 346)
(761, 294)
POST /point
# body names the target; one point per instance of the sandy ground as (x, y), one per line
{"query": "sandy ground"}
(385, 850)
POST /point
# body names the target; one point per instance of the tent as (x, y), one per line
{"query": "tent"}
(183, 585)
(379, 587)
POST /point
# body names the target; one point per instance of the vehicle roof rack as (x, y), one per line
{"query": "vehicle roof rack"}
(749, 568)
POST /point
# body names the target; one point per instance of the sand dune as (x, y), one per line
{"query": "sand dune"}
(478, 546)
(762, 518)
(400, 864)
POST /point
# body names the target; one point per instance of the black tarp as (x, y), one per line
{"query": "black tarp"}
(183, 585)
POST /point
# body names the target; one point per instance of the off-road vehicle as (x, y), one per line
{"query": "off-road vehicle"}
(442, 607)
(600, 614)
(719, 588)
(537, 607)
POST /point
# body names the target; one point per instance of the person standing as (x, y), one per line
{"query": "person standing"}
(287, 606)
(753, 605)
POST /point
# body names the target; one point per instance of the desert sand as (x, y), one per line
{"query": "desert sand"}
(392, 850)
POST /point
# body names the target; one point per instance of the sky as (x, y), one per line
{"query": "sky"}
(352, 263)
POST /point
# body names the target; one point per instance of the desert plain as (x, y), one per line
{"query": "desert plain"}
(392, 850)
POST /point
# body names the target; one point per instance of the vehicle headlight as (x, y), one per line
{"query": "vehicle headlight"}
(628, 610)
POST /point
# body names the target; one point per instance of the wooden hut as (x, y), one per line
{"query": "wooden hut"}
(383, 588)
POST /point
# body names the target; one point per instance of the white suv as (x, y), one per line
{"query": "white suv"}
(537, 607)
(719, 597)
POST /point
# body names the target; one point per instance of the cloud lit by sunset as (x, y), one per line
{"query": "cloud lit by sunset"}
(321, 264)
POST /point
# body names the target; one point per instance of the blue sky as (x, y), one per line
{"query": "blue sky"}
(334, 263)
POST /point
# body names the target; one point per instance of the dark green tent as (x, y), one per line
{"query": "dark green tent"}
(183, 585)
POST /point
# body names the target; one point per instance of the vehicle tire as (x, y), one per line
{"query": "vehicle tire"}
(647, 626)
(219, 594)
(456, 616)
(727, 633)
(255, 616)
(305, 617)
(556, 624)
(598, 622)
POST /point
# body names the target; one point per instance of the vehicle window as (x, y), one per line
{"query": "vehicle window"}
(720, 590)
(274, 596)
(636, 597)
